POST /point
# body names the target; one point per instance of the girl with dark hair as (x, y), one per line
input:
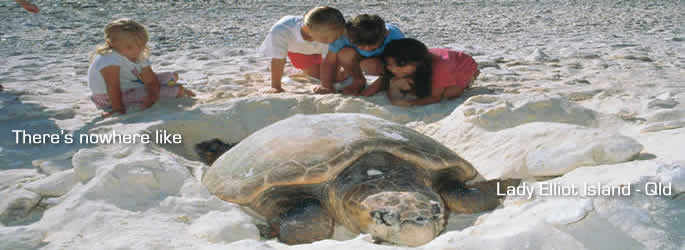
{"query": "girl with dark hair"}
(416, 75)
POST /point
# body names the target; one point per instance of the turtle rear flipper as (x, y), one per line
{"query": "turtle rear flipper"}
(477, 197)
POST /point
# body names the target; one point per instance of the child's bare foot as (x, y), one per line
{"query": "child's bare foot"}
(29, 7)
(473, 79)
(113, 113)
(401, 103)
(322, 90)
(183, 92)
(354, 88)
(271, 90)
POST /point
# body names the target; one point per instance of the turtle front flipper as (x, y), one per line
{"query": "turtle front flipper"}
(478, 197)
(305, 222)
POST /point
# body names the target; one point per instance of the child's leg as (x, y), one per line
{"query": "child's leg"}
(101, 101)
(313, 71)
(169, 87)
(350, 60)
(133, 96)
(453, 92)
(473, 79)
(137, 95)
(182, 92)
(372, 66)
(341, 74)
(167, 78)
(309, 64)
(128, 97)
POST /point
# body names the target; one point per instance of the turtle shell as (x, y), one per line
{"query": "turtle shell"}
(314, 149)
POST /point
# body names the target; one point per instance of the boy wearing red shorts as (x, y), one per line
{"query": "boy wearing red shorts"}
(303, 39)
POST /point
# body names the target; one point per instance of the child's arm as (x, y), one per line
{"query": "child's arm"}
(374, 88)
(111, 76)
(277, 67)
(435, 97)
(396, 97)
(328, 73)
(152, 86)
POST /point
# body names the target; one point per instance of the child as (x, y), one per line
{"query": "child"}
(303, 39)
(28, 6)
(120, 73)
(416, 75)
(359, 50)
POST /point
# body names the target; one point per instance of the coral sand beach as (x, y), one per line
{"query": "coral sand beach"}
(584, 100)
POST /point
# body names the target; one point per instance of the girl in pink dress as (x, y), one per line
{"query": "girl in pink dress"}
(416, 75)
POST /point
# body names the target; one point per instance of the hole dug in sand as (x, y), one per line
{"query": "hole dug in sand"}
(195, 132)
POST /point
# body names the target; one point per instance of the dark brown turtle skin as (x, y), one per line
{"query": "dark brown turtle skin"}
(209, 151)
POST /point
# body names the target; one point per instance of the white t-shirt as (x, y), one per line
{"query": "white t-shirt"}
(286, 36)
(129, 74)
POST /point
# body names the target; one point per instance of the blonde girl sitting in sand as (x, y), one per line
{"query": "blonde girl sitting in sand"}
(416, 75)
(120, 73)
(303, 39)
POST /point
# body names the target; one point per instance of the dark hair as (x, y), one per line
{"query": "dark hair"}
(324, 15)
(409, 50)
(366, 29)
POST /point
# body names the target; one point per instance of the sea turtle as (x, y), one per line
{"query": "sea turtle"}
(306, 173)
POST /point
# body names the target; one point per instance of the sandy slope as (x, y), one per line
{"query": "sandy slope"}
(589, 91)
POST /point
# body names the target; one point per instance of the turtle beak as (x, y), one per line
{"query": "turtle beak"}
(414, 231)
(404, 218)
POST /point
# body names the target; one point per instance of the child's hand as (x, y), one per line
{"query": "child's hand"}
(368, 92)
(184, 92)
(401, 103)
(322, 90)
(149, 100)
(354, 88)
(402, 83)
(114, 112)
(372, 89)
(271, 90)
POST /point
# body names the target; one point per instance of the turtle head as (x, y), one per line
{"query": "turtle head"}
(209, 151)
(404, 218)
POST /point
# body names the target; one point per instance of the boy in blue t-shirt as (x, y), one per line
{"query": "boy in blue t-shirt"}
(358, 51)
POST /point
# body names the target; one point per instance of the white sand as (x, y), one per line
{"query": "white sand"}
(585, 93)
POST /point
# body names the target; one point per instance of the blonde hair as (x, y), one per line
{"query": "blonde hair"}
(324, 15)
(124, 29)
